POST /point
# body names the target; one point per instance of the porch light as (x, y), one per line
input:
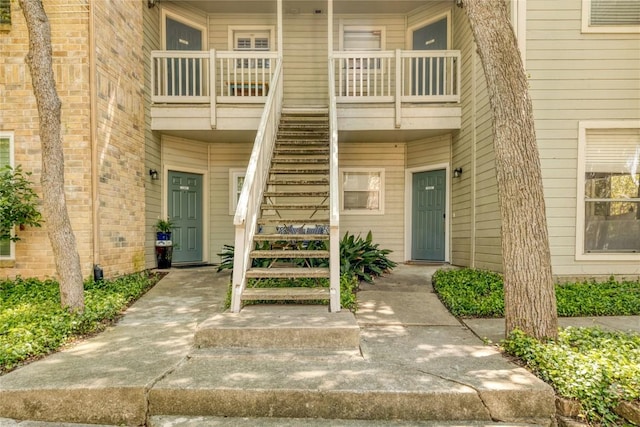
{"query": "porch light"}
(459, 3)
(153, 174)
(457, 173)
(152, 3)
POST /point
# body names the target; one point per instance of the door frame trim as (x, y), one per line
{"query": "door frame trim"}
(205, 200)
(424, 23)
(408, 212)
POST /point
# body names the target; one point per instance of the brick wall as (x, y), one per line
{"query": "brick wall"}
(119, 131)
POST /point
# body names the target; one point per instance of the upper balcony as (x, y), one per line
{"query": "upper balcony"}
(380, 90)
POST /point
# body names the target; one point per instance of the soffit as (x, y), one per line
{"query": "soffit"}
(305, 6)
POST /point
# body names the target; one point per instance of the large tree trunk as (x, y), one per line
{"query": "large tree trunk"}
(530, 303)
(56, 216)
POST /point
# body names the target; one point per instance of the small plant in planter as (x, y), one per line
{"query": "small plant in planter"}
(163, 229)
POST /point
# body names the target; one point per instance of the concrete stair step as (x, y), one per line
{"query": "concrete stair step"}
(294, 221)
(307, 143)
(300, 161)
(289, 253)
(289, 237)
(299, 171)
(294, 385)
(205, 421)
(296, 194)
(304, 125)
(286, 273)
(287, 207)
(285, 294)
(299, 151)
(298, 181)
(268, 329)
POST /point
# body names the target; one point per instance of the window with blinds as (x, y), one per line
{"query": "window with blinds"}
(615, 12)
(6, 147)
(250, 41)
(612, 191)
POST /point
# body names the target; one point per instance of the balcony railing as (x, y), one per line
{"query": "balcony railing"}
(195, 77)
(422, 76)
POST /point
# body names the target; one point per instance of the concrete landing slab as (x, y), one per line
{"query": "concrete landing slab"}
(402, 308)
(181, 421)
(280, 326)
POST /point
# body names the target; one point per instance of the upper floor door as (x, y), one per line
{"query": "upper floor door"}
(183, 74)
(428, 74)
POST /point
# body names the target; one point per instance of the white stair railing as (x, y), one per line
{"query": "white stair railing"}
(334, 206)
(245, 220)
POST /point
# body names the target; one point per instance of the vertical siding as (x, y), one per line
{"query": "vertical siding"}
(575, 77)
(387, 229)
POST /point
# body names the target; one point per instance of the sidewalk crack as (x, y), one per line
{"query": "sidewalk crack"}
(164, 375)
(478, 393)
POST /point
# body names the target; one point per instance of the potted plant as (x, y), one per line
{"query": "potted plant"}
(164, 248)
(163, 229)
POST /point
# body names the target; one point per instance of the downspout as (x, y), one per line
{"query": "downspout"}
(93, 137)
(474, 136)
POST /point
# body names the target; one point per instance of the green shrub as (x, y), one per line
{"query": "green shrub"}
(477, 293)
(597, 368)
(468, 292)
(363, 258)
(18, 202)
(32, 323)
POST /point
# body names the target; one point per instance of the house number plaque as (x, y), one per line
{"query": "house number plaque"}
(431, 187)
(184, 187)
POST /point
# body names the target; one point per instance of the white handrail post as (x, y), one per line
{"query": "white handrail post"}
(334, 213)
(398, 94)
(212, 88)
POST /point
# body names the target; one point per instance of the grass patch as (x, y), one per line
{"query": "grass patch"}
(598, 368)
(33, 324)
(477, 293)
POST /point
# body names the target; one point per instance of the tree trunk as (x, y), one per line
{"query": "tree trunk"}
(530, 303)
(56, 216)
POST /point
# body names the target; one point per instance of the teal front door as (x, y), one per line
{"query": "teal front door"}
(185, 211)
(428, 216)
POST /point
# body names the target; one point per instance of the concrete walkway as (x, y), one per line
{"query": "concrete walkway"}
(415, 363)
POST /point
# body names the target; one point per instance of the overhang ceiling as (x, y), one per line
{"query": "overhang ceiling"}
(306, 6)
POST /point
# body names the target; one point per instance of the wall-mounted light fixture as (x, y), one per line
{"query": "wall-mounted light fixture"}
(457, 172)
(152, 3)
(459, 3)
(153, 174)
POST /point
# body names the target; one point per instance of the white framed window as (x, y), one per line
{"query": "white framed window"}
(236, 181)
(7, 250)
(362, 191)
(608, 200)
(610, 16)
(251, 39)
(362, 38)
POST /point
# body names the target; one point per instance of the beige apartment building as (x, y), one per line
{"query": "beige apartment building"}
(173, 109)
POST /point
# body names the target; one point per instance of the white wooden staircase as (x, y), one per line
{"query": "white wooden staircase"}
(292, 237)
